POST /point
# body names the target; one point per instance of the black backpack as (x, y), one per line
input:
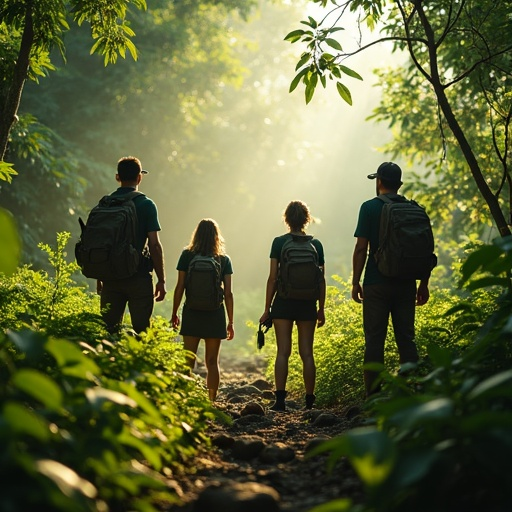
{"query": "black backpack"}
(106, 248)
(406, 241)
(203, 284)
(299, 272)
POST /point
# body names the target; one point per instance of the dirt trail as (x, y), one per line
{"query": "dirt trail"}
(259, 461)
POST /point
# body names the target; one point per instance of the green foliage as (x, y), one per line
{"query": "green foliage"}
(339, 344)
(317, 63)
(87, 423)
(50, 302)
(448, 429)
(457, 79)
(10, 246)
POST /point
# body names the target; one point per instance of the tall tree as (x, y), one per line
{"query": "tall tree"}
(33, 28)
(460, 48)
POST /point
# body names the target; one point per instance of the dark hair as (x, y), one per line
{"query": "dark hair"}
(297, 215)
(128, 168)
(207, 239)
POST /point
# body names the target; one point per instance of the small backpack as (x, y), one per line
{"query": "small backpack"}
(106, 248)
(406, 242)
(299, 272)
(203, 284)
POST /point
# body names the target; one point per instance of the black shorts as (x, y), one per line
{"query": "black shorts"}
(204, 324)
(293, 309)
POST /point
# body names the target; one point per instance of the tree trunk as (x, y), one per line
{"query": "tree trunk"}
(458, 132)
(13, 98)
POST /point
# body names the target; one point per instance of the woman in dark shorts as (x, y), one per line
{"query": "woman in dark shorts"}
(284, 311)
(198, 324)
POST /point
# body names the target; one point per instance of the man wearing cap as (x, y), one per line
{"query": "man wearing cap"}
(136, 291)
(383, 296)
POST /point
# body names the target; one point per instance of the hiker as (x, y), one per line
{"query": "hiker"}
(381, 295)
(292, 296)
(204, 276)
(137, 290)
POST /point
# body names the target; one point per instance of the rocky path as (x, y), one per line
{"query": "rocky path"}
(258, 462)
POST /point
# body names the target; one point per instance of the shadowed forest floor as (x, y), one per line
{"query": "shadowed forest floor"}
(259, 461)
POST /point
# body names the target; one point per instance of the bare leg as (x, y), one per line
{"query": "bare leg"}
(306, 337)
(191, 343)
(283, 329)
(212, 351)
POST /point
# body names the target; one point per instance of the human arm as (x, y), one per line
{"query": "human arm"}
(99, 286)
(358, 261)
(179, 290)
(229, 301)
(422, 293)
(271, 288)
(321, 300)
(157, 256)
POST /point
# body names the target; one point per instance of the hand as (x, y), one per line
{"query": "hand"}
(320, 318)
(160, 291)
(99, 287)
(175, 321)
(264, 317)
(231, 331)
(422, 295)
(357, 293)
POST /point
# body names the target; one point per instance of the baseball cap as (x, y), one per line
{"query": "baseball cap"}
(388, 171)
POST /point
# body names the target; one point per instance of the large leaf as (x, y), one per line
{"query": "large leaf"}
(71, 360)
(67, 480)
(22, 421)
(10, 244)
(39, 386)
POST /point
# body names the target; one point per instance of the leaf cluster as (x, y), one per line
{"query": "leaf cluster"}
(444, 425)
(317, 63)
(89, 423)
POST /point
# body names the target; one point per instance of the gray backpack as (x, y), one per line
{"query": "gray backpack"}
(299, 273)
(106, 248)
(203, 284)
(406, 242)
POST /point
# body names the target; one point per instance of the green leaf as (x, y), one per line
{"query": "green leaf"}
(39, 386)
(67, 480)
(350, 72)
(24, 421)
(71, 360)
(294, 35)
(344, 92)
(97, 396)
(433, 410)
(297, 78)
(7, 172)
(10, 244)
(340, 505)
(333, 43)
(478, 259)
(485, 282)
(306, 56)
(492, 386)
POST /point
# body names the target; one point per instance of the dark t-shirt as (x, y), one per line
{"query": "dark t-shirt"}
(278, 242)
(147, 215)
(187, 255)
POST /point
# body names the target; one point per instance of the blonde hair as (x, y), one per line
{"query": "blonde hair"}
(207, 239)
(297, 216)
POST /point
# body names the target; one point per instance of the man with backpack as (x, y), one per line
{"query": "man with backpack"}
(120, 247)
(395, 247)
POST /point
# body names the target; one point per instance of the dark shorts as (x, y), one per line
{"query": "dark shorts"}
(204, 324)
(293, 309)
